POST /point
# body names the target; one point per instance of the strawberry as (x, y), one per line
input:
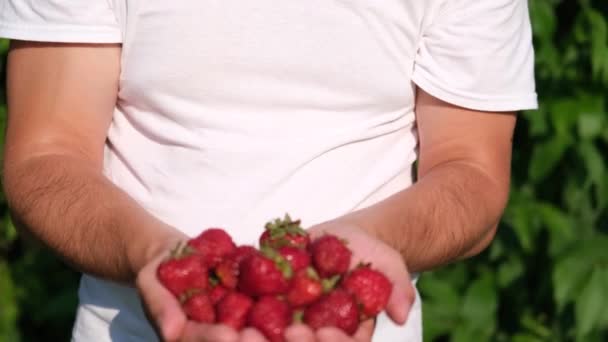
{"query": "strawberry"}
(284, 232)
(330, 255)
(271, 316)
(213, 244)
(337, 309)
(183, 271)
(217, 293)
(298, 258)
(198, 307)
(242, 252)
(370, 288)
(233, 310)
(264, 273)
(227, 271)
(305, 288)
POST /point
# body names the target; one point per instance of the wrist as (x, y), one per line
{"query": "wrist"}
(355, 220)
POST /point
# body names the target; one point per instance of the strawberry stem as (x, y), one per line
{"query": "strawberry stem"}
(282, 264)
(298, 316)
(187, 295)
(329, 284)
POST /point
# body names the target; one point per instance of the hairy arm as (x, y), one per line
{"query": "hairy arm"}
(452, 211)
(61, 99)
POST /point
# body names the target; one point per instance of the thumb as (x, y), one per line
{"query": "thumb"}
(161, 307)
(402, 297)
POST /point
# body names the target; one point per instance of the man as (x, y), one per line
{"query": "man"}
(134, 124)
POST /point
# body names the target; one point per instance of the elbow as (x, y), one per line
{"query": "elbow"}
(482, 243)
(495, 201)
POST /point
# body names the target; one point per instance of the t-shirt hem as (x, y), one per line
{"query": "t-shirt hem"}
(483, 103)
(62, 34)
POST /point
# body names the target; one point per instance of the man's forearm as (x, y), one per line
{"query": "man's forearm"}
(449, 214)
(72, 208)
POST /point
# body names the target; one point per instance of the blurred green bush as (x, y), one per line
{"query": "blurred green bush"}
(544, 277)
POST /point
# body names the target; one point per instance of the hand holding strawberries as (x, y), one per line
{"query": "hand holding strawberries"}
(168, 315)
(366, 250)
(297, 287)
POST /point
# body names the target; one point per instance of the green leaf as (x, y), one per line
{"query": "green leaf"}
(543, 19)
(9, 310)
(510, 270)
(545, 157)
(519, 216)
(435, 323)
(604, 316)
(602, 195)
(479, 306)
(568, 276)
(534, 325)
(593, 161)
(590, 125)
(537, 121)
(572, 269)
(564, 114)
(465, 333)
(590, 304)
(599, 40)
(444, 293)
(561, 227)
(4, 44)
(605, 135)
(525, 337)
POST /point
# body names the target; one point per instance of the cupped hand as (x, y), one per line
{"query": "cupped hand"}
(170, 322)
(365, 248)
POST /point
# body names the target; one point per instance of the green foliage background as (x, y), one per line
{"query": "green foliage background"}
(545, 276)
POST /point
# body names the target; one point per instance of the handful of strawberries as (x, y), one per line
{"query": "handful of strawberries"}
(289, 279)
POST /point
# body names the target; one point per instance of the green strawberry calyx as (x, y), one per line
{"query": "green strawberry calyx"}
(282, 264)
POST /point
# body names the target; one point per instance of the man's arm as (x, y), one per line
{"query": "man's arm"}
(453, 209)
(61, 99)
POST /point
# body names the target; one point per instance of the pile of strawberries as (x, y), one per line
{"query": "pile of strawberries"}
(289, 279)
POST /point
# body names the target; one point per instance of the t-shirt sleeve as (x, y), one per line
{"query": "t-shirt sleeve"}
(478, 55)
(66, 21)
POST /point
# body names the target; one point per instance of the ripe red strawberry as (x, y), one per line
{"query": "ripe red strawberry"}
(337, 309)
(213, 244)
(183, 271)
(370, 288)
(233, 310)
(198, 308)
(330, 255)
(305, 288)
(264, 273)
(242, 252)
(217, 293)
(271, 316)
(298, 258)
(227, 271)
(285, 232)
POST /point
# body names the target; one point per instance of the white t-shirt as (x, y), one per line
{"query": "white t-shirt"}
(231, 113)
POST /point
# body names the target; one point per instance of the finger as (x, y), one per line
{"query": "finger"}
(161, 307)
(197, 332)
(251, 335)
(402, 297)
(331, 334)
(299, 333)
(365, 331)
